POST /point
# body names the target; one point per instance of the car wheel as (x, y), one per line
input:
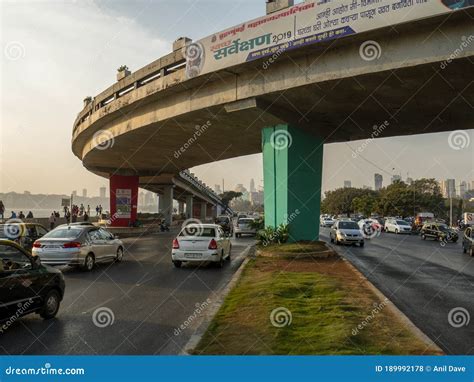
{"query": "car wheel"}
(230, 250)
(464, 249)
(177, 263)
(332, 240)
(89, 262)
(361, 244)
(220, 264)
(51, 305)
(471, 252)
(396, 232)
(423, 236)
(119, 256)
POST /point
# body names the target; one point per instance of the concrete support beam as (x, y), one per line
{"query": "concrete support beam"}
(292, 175)
(180, 207)
(189, 207)
(203, 211)
(167, 205)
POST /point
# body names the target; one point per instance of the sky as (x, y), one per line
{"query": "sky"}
(55, 53)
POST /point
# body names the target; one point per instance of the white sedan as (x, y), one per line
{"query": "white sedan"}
(201, 242)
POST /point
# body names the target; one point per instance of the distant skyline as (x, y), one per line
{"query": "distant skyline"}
(54, 54)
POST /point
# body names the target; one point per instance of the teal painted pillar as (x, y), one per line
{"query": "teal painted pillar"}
(292, 175)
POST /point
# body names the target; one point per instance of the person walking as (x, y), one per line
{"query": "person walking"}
(2, 210)
(96, 210)
(52, 221)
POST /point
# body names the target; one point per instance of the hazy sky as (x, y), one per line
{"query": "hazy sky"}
(55, 53)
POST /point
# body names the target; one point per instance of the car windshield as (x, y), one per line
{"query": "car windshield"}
(63, 233)
(198, 231)
(443, 227)
(348, 225)
(245, 221)
(402, 222)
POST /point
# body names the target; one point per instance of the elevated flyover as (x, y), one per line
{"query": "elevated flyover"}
(409, 76)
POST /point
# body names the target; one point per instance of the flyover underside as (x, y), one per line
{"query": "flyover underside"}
(413, 100)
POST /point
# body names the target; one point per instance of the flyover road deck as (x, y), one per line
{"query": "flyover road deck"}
(424, 280)
(148, 297)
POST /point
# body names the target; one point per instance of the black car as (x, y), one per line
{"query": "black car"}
(226, 224)
(438, 231)
(468, 241)
(25, 234)
(26, 286)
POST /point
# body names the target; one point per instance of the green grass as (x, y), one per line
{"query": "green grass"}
(299, 247)
(324, 309)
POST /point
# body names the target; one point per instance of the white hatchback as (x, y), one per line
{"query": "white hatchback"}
(397, 226)
(201, 243)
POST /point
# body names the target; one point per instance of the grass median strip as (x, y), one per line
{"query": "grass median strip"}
(305, 306)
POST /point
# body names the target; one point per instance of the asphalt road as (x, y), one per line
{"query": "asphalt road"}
(147, 297)
(425, 280)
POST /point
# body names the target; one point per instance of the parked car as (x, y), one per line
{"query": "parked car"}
(26, 285)
(226, 224)
(326, 221)
(346, 232)
(397, 226)
(244, 227)
(199, 243)
(78, 245)
(438, 231)
(468, 241)
(23, 234)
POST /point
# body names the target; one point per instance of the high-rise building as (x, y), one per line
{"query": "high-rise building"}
(409, 181)
(217, 189)
(256, 198)
(448, 188)
(102, 192)
(84, 192)
(240, 188)
(252, 185)
(396, 178)
(462, 189)
(347, 184)
(378, 180)
(472, 185)
(74, 193)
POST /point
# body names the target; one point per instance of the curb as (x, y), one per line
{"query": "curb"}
(212, 311)
(393, 308)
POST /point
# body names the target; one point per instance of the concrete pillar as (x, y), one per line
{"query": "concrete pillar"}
(167, 204)
(123, 200)
(180, 207)
(189, 207)
(203, 211)
(160, 203)
(292, 172)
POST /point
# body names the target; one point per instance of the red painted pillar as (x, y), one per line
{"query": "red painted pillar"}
(123, 200)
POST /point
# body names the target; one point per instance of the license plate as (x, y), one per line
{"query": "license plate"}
(193, 255)
(52, 247)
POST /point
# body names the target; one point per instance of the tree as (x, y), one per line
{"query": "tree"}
(227, 196)
(340, 201)
(365, 204)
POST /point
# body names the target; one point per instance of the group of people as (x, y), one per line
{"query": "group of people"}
(14, 215)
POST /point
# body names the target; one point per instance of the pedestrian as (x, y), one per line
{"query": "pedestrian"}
(2, 209)
(29, 215)
(81, 210)
(86, 216)
(52, 221)
(96, 210)
(13, 215)
(22, 215)
(88, 209)
(100, 210)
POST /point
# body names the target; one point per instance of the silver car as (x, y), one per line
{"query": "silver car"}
(346, 232)
(78, 245)
(244, 227)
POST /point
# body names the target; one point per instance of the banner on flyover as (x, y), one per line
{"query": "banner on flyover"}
(304, 24)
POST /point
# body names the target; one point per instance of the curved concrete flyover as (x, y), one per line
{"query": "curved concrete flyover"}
(422, 83)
